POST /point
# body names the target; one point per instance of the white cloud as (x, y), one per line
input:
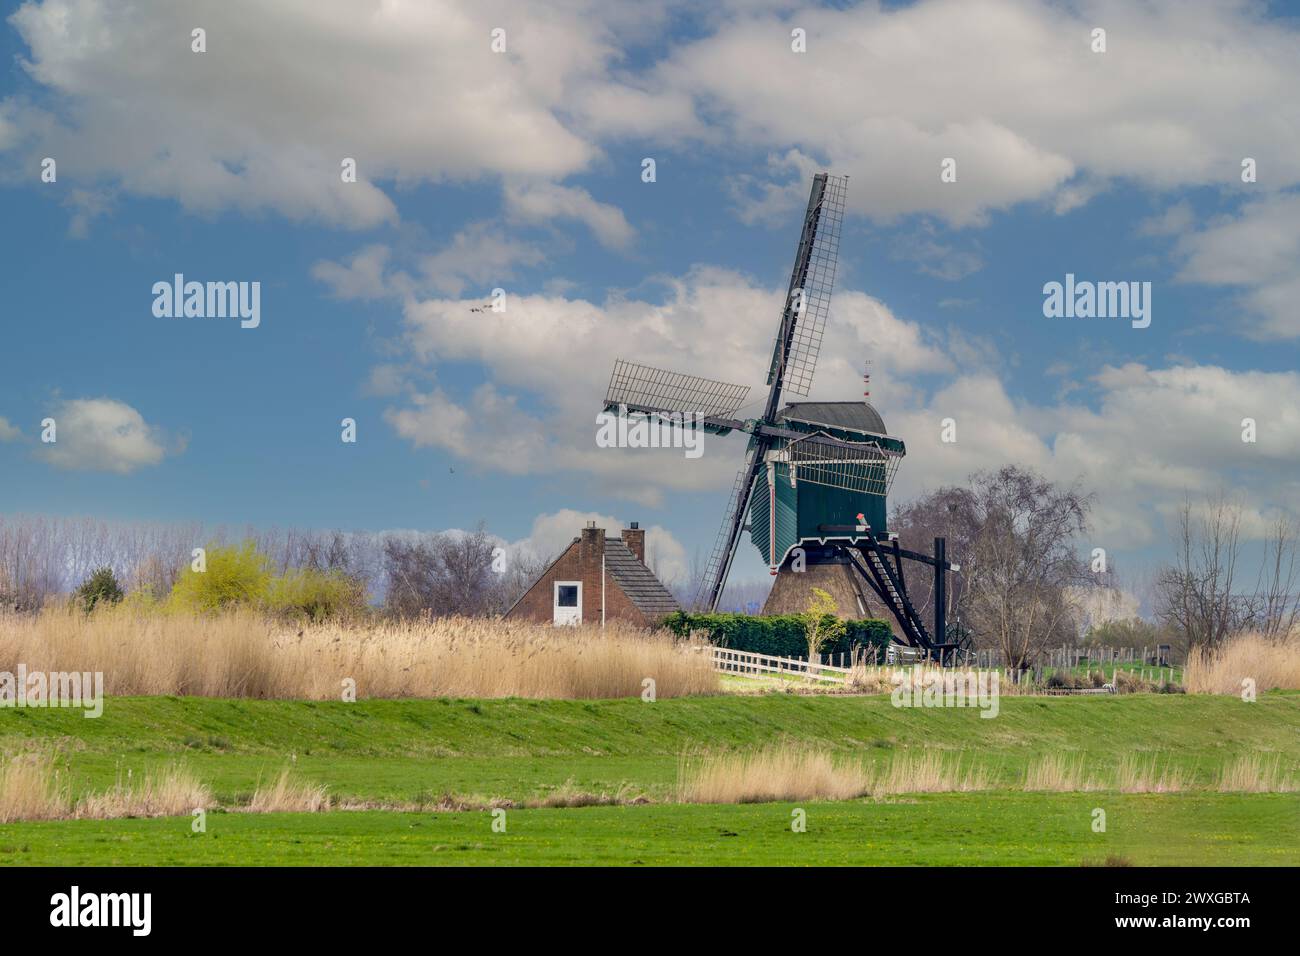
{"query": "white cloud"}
(361, 278)
(1150, 437)
(1010, 90)
(413, 93)
(546, 202)
(479, 253)
(933, 257)
(9, 432)
(264, 118)
(102, 434)
(1174, 221)
(87, 205)
(491, 430)
(386, 381)
(1257, 250)
(778, 196)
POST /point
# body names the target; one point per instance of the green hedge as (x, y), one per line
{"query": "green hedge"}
(780, 635)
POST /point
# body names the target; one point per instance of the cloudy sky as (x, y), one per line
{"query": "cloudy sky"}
(522, 170)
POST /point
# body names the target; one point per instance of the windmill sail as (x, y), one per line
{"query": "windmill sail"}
(808, 299)
(724, 548)
(648, 389)
(794, 357)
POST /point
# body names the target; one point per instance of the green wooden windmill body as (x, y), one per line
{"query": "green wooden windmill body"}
(825, 490)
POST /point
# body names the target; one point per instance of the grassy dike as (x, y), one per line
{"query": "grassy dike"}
(415, 750)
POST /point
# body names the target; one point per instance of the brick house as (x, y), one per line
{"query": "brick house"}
(596, 579)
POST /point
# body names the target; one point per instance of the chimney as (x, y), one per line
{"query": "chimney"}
(634, 538)
(592, 547)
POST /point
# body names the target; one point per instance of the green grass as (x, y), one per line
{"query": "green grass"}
(950, 830)
(413, 751)
(403, 749)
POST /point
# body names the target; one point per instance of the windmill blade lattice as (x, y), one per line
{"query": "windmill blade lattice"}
(646, 388)
(724, 547)
(817, 284)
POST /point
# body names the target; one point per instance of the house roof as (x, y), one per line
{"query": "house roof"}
(856, 416)
(637, 581)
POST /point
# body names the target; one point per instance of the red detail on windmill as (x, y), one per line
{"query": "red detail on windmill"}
(866, 380)
(862, 522)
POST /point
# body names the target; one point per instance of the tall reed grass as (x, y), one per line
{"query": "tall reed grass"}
(775, 773)
(32, 787)
(289, 795)
(166, 792)
(243, 654)
(1134, 774)
(786, 772)
(1255, 773)
(1273, 664)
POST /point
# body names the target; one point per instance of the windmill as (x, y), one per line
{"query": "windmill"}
(816, 474)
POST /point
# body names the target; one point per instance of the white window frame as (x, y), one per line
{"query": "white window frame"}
(555, 599)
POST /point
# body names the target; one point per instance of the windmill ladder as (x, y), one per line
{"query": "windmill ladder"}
(887, 586)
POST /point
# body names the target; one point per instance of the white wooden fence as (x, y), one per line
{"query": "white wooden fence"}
(749, 664)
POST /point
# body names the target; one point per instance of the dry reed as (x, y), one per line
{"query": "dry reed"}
(1273, 664)
(1138, 775)
(1060, 774)
(1253, 773)
(31, 789)
(785, 772)
(779, 772)
(289, 795)
(1056, 773)
(242, 654)
(928, 772)
(167, 792)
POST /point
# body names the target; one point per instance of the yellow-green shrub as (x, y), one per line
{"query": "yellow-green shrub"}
(233, 575)
(317, 595)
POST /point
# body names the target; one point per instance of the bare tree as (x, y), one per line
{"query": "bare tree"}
(521, 570)
(1012, 532)
(441, 574)
(466, 579)
(1198, 596)
(1024, 559)
(1277, 603)
(410, 575)
(1195, 596)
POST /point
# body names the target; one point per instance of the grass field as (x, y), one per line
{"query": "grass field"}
(412, 752)
(948, 830)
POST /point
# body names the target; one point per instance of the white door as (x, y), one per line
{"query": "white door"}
(568, 602)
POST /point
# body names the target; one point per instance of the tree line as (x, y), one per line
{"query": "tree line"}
(402, 573)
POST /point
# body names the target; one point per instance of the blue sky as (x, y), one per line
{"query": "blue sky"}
(523, 171)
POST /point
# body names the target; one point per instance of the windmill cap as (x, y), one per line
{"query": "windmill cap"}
(855, 416)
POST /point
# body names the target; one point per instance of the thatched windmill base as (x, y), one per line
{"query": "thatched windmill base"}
(827, 568)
